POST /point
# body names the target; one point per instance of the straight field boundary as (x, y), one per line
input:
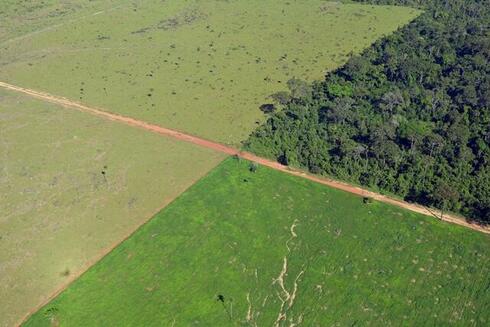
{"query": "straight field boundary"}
(77, 274)
(245, 155)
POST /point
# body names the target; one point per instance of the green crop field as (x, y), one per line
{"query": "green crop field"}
(71, 185)
(282, 249)
(203, 67)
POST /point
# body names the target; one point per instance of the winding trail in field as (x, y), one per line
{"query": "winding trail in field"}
(245, 155)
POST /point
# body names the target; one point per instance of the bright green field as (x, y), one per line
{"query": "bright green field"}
(203, 67)
(57, 209)
(234, 232)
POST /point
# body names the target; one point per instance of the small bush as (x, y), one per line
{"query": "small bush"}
(51, 313)
(367, 200)
(268, 108)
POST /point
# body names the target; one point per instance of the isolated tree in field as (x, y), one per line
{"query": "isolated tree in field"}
(229, 312)
(103, 172)
(51, 314)
(367, 200)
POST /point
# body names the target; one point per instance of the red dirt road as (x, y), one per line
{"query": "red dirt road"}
(245, 155)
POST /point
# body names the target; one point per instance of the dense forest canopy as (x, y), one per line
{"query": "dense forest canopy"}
(409, 116)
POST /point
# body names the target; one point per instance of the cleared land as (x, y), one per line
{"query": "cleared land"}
(281, 249)
(246, 155)
(18, 19)
(70, 186)
(203, 67)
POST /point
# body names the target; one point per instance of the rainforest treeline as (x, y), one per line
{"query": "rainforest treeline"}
(409, 116)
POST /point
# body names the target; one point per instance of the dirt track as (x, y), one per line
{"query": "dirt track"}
(246, 155)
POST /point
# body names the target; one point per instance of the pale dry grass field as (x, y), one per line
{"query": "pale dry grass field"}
(203, 67)
(71, 185)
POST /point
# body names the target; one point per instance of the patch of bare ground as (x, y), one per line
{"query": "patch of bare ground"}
(286, 295)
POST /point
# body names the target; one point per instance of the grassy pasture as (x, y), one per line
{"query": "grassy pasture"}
(58, 210)
(236, 233)
(18, 18)
(203, 67)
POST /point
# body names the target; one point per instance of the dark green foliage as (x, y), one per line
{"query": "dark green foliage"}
(367, 200)
(253, 167)
(410, 115)
(51, 313)
(268, 108)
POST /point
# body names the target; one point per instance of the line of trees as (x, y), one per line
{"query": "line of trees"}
(410, 115)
